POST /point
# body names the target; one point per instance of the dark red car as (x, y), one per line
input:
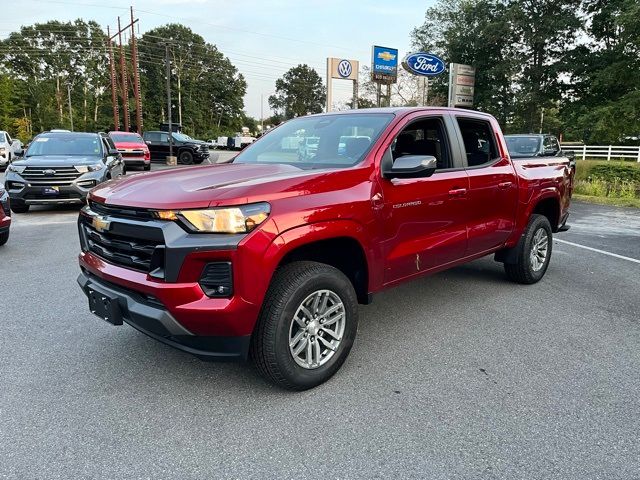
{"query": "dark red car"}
(269, 256)
(5, 216)
(133, 148)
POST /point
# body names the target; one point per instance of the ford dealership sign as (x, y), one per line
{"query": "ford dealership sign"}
(425, 64)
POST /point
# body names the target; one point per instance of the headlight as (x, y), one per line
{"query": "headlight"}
(89, 168)
(240, 219)
(16, 168)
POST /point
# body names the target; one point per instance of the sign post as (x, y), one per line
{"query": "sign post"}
(462, 79)
(342, 69)
(384, 70)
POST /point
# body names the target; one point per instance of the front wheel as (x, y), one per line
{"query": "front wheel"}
(533, 252)
(185, 157)
(307, 325)
(4, 237)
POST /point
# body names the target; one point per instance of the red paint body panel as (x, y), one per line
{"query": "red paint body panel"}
(405, 227)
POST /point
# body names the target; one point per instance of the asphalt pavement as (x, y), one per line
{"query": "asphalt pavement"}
(461, 375)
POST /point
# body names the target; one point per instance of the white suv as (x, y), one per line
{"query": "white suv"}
(9, 148)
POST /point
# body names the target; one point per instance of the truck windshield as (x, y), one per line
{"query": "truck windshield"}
(126, 137)
(182, 137)
(521, 146)
(318, 142)
(65, 144)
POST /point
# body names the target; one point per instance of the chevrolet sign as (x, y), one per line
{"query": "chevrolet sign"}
(384, 64)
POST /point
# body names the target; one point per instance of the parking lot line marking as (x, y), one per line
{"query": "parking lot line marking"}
(635, 260)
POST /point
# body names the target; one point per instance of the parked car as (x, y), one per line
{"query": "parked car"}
(269, 256)
(5, 216)
(9, 149)
(186, 149)
(308, 148)
(61, 168)
(133, 149)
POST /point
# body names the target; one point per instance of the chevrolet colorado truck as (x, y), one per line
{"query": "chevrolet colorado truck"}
(269, 256)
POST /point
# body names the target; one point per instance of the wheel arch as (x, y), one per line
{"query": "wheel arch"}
(339, 243)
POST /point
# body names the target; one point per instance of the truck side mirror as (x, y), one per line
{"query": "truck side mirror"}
(412, 166)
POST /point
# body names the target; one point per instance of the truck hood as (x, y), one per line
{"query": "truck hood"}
(57, 160)
(210, 185)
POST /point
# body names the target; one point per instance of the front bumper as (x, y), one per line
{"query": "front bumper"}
(163, 296)
(136, 161)
(146, 314)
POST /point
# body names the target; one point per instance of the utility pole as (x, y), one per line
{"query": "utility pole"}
(70, 110)
(125, 82)
(112, 75)
(168, 74)
(136, 76)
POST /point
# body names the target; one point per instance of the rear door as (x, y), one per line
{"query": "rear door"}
(424, 219)
(493, 189)
(158, 143)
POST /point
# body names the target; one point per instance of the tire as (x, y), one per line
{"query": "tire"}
(4, 237)
(147, 168)
(185, 157)
(19, 208)
(292, 286)
(526, 269)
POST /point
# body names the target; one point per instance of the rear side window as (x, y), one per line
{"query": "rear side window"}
(479, 142)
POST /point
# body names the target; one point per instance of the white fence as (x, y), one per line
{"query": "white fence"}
(604, 151)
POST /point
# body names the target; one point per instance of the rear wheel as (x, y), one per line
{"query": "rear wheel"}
(19, 208)
(533, 252)
(185, 157)
(307, 325)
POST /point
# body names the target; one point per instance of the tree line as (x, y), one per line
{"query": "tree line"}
(55, 71)
(569, 67)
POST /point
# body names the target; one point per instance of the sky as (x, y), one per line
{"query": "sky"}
(262, 39)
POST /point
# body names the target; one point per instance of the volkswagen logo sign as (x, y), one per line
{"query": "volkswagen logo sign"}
(49, 172)
(344, 68)
(425, 64)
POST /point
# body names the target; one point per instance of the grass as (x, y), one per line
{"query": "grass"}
(608, 183)
(617, 202)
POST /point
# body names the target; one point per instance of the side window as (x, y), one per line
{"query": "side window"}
(479, 141)
(424, 137)
(152, 136)
(555, 145)
(164, 138)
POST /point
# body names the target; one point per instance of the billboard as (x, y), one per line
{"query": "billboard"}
(384, 64)
(462, 80)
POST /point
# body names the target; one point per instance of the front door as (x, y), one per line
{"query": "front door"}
(424, 219)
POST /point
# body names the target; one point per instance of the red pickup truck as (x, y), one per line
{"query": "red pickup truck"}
(269, 256)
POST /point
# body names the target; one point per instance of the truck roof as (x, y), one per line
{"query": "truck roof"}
(403, 110)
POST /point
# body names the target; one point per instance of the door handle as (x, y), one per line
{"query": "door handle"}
(505, 184)
(458, 192)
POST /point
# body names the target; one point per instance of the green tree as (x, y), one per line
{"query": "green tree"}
(473, 33)
(207, 90)
(299, 92)
(602, 103)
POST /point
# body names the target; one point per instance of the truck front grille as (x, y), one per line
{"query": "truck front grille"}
(127, 245)
(53, 176)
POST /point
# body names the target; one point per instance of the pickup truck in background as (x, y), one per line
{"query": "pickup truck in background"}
(268, 257)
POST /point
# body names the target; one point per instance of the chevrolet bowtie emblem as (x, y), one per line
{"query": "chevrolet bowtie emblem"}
(388, 56)
(101, 224)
